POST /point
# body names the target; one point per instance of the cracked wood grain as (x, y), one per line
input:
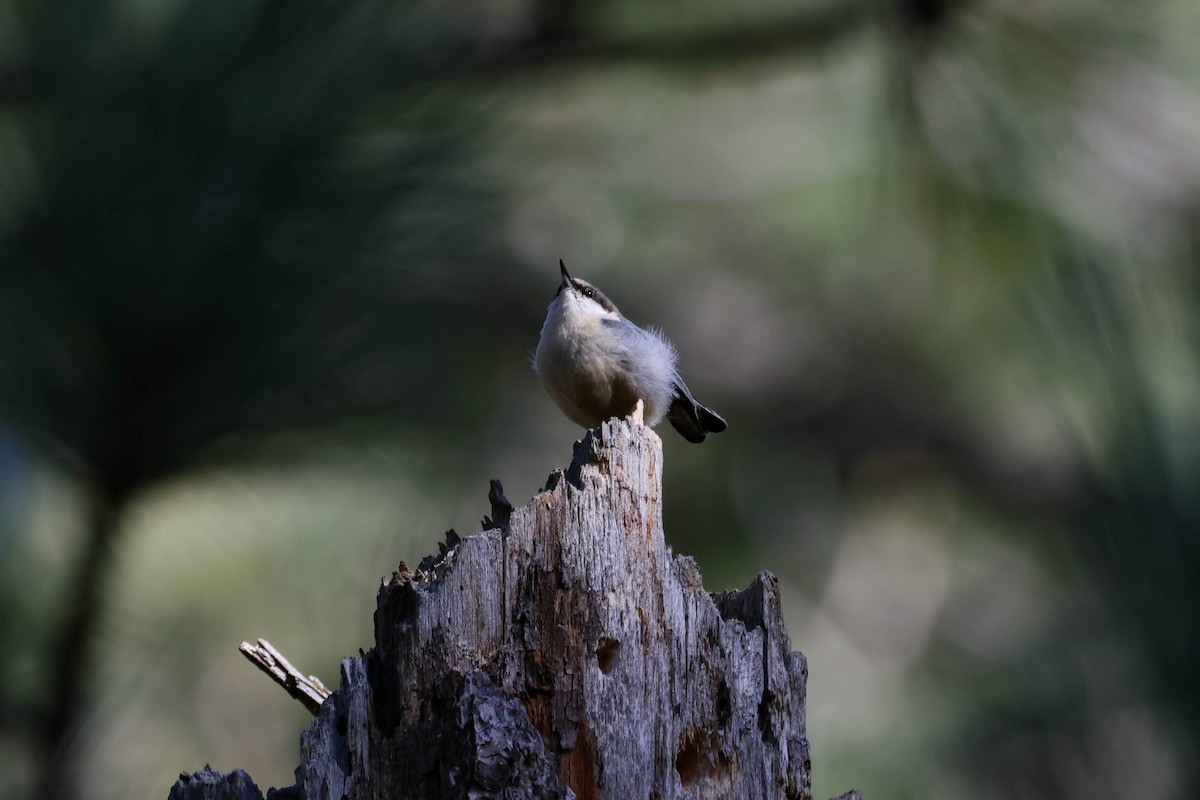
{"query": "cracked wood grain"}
(563, 652)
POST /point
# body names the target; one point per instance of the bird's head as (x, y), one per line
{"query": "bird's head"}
(579, 296)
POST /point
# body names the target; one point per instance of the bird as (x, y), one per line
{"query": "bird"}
(596, 365)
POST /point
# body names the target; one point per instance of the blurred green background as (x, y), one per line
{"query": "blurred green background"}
(271, 274)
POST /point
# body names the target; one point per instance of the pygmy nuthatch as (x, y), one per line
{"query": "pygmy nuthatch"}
(596, 365)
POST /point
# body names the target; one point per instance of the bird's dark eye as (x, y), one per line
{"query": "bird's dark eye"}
(589, 293)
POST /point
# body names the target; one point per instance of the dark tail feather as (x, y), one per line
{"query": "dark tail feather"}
(693, 420)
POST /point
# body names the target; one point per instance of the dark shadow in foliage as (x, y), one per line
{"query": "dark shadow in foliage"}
(220, 236)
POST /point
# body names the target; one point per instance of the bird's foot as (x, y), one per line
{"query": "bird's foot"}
(639, 413)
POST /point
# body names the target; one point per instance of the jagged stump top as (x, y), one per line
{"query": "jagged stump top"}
(564, 652)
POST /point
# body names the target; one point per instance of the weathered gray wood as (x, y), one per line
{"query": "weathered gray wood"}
(564, 652)
(308, 689)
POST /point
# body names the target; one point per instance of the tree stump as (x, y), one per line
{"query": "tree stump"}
(563, 652)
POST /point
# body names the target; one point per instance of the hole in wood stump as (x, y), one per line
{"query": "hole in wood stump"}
(724, 704)
(700, 760)
(606, 654)
(766, 725)
(341, 725)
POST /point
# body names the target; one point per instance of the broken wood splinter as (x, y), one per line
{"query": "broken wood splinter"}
(308, 689)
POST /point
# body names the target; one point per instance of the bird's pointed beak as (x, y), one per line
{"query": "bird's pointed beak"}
(566, 276)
